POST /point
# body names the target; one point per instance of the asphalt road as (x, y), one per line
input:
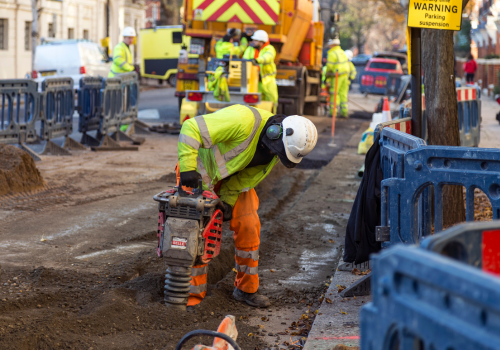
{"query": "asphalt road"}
(163, 100)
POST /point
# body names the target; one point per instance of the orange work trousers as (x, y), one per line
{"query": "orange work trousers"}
(245, 224)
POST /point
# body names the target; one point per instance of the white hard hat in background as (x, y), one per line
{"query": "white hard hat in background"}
(335, 41)
(299, 137)
(260, 35)
(128, 31)
(349, 54)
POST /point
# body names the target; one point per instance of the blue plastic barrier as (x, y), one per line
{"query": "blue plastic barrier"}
(112, 104)
(422, 300)
(435, 166)
(19, 111)
(89, 104)
(57, 108)
(130, 97)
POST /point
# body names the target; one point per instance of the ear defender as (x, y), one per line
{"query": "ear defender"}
(274, 132)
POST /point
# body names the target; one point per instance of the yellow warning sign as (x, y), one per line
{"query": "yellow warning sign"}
(435, 14)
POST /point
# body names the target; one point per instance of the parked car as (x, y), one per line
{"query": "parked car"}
(361, 59)
(69, 58)
(376, 75)
(401, 57)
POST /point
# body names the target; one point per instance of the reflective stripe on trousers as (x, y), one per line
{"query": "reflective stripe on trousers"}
(246, 226)
(198, 288)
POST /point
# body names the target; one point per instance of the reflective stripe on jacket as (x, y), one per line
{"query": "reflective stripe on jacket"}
(266, 59)
(337, 60)
(352, 71)
(221, 144)
(223, 48)
(122, 60)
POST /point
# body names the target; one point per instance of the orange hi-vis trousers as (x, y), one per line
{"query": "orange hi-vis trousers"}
(246, 227)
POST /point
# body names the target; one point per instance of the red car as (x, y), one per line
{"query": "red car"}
(377, 70)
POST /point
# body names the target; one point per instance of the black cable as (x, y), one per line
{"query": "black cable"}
(209, 333)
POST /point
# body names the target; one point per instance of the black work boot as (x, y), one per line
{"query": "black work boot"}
(252, 299)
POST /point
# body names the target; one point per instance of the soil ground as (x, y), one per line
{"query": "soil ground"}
(80, 271)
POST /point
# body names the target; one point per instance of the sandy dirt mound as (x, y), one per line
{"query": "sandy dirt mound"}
(18, 171)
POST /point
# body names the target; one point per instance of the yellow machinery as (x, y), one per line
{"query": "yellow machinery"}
(160, 47)
(297, 38)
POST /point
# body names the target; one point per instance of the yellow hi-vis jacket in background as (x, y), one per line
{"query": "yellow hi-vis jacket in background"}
(268, 86)
(223, 48)
(336, 60)
(122, 60)
(222, 144)
(352, 72)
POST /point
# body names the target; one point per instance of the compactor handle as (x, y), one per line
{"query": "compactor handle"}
(196, 191)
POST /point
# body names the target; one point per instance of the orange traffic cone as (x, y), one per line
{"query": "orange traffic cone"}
(227, 328)
(386, 111)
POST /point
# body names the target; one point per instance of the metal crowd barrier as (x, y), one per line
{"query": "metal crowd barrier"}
(402, 220)
(19, 111)
(422, 300)
(111, 100)
(378, 83)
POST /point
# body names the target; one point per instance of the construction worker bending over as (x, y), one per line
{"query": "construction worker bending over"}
(232, 151)
(265, 59)
(352, 69)
(122, 57)
(226, 45)
(337, 62)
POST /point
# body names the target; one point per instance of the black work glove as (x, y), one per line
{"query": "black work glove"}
(227, 211)
(254, 62)
(190, 178)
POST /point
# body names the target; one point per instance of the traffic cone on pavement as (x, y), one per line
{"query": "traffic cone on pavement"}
(386, 112)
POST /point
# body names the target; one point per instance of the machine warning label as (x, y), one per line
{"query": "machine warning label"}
(435, 14)
(179, 243)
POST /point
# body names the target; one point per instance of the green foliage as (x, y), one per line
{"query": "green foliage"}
(491, 56)
(462, 38)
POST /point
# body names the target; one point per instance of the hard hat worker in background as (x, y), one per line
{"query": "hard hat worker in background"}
(122, 56)
(265, 59)
(225, 46)
(352, 69)
(337, 62)
(232, 151)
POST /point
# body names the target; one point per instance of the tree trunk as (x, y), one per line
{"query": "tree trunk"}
(34, 32)
(441, 108)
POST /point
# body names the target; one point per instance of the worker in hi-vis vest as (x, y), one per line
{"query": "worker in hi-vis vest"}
(122, 56)
(337, 62)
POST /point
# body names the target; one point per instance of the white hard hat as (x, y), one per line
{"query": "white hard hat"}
(128, 31)
(335, 41)
(349, 54)
(260, 35)
(299, 137)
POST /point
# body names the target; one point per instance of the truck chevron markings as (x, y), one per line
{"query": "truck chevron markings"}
(241, 11)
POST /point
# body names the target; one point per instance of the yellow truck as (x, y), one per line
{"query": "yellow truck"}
(295, 32)
(160, 47)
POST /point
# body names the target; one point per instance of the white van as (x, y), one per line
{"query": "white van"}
(69, 58)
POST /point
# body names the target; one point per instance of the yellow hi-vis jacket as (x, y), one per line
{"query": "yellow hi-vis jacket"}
(225, 48)
(266, 61)
(220, 145)
(352, 71)
(336, 60)
(122, 60)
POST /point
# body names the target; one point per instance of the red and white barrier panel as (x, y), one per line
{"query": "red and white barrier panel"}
(403, 125)
(466, 94)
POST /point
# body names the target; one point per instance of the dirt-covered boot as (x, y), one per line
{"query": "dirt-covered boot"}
(252, 299)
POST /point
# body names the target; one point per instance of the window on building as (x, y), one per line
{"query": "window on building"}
(86, 34)
(27, 36)
(71, 33)
(52, 34)
(4, 29)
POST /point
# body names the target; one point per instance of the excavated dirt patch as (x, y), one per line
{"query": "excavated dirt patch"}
(18, 171)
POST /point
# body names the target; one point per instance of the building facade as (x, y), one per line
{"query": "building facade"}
(68, 19)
